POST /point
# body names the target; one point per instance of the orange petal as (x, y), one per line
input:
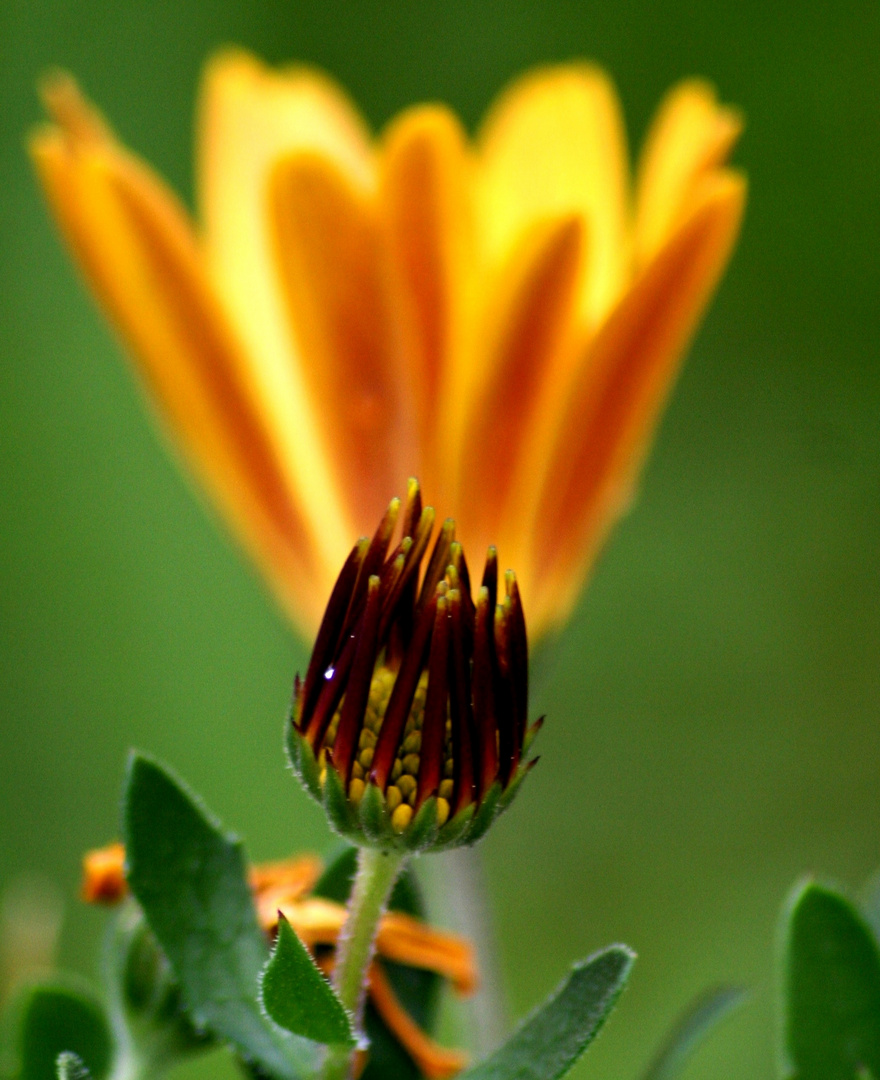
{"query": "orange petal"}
(104, 875)
(553, 145)
(425, 196)
(136, 248)
(691, 136)
(329, 257)
(316, 921)
(250, 116)
(414, 943)
(292, 878)
(528, 353)
(624, 382)
(433, 1061)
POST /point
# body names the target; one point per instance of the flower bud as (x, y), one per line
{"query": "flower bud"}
(410, 726)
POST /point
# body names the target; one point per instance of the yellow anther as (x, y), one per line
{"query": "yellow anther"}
(367, 738)
(446, 789)
(448, 769)
(393, 798)
(401, 817)
(442, 812)
(357, 771)
(396, 770)
(366, 758)
(356, 791)
(411, 764)
(412, 744)
(407, 785)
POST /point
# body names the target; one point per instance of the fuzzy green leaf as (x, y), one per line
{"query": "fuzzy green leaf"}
(831, 988)
(190, 879)
(552, 1039)
(698, 1020)
(57, 1018)
(298, 997)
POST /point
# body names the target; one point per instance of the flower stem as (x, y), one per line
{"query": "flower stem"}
(376, 873)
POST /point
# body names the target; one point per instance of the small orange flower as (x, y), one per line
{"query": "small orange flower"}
(284, 888)
(501, 316)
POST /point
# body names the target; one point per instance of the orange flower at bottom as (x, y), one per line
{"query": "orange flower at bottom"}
(283, 888)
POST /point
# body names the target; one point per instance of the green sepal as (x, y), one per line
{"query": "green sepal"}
(485, 814)
(691, 1029)
(304, 762)
(453, 831)
(422, 831)
(512, 789)
(190, 879)
(340, 812)
(552, 1039)
(62, 1016)
(374, 817)
(831, 987)
(298, 998)
(532, 733)
(70, 1067)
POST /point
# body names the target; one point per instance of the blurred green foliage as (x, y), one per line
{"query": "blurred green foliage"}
(716, 700)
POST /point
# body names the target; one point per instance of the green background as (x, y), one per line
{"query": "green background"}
(713, 708)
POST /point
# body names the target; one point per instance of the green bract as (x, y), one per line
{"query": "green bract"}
(410, 727)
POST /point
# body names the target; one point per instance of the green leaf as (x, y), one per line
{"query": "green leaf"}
(552, 1039)
(298, 997)
(70, 1067)
(708, 1010)
(190, 879)
(831, 988)
(62, 1017)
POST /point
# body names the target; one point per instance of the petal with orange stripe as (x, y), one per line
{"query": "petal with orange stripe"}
(624, 381)
(691, 136)
(554, 144)
(135, 246)
(328, 254)
(426, 202)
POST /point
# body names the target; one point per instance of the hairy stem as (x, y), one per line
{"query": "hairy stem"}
(376, 873)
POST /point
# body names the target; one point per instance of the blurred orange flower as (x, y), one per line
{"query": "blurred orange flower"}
(501, 316)
(284, 888)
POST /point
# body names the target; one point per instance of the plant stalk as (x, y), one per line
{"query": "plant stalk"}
(376, 873)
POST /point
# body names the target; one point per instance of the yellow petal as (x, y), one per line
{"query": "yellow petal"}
(528, 349)
(554, 144)
(328, 254)
(624, 382)
(136, 248)
(432, 1060)
(250, 117)
(425, 199)
(691, 136)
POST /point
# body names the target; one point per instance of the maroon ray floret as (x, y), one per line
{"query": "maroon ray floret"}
(461, 667)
